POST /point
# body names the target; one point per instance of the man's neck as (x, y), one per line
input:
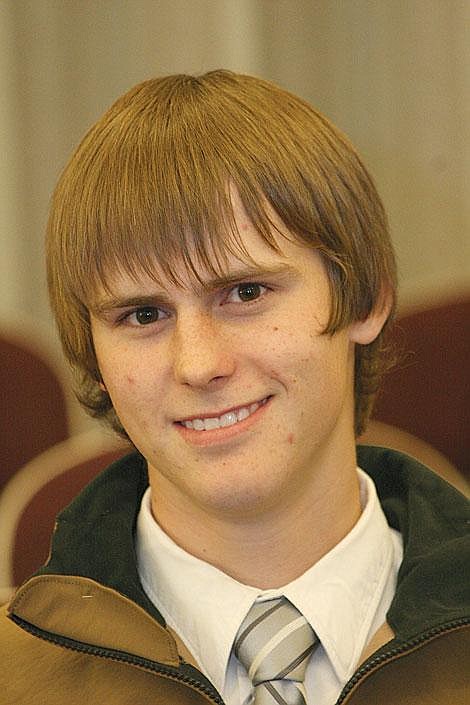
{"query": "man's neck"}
(270, 549)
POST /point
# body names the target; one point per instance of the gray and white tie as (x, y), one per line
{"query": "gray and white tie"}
(274, 643)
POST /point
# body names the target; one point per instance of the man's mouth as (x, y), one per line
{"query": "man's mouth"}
(229, 418)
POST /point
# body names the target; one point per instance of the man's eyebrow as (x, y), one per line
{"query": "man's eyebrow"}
(161, 297)
(112, 303)
(255, 274)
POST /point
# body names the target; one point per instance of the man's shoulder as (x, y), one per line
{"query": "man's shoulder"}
(397, 472)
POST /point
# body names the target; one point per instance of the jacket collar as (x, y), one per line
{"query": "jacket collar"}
(433, 518)
(93, 557)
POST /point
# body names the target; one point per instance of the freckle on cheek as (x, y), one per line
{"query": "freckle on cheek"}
(275, 328)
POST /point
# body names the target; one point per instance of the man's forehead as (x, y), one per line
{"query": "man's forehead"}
(250, 255)
(121, 284)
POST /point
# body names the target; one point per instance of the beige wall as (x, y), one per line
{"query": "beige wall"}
(393, 74)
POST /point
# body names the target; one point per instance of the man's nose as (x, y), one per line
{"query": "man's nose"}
(202, 354)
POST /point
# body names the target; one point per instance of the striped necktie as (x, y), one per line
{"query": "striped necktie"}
(274, 643)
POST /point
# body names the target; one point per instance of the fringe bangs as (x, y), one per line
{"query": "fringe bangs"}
(149, 191)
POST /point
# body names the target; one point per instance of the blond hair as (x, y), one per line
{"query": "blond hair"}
(150, 178)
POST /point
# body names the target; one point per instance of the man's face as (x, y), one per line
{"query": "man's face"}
(231, 391)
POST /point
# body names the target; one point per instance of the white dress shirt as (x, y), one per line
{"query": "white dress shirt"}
(344, 596)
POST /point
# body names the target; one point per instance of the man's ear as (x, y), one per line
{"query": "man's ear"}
(366, 330)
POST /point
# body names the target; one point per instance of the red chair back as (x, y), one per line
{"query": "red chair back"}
(428, 394)
(33, 411)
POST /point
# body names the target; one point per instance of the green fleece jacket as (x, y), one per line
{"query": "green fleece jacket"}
(82, 630)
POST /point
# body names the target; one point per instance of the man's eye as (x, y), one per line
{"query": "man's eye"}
(247, 292)
(144, 316)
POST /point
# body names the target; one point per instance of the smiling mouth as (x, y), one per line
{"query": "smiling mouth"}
(230, 418)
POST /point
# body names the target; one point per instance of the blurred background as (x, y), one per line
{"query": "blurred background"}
(393, 74)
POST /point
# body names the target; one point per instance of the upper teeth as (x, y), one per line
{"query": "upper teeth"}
(228, 419)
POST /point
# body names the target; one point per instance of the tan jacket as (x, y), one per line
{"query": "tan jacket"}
(73, 640)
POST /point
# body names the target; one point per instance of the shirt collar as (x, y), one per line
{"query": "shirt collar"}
(201, 603)
(339, 595)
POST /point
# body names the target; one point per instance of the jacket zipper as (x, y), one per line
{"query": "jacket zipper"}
(410, 645)
(171, 673)
(167, 671)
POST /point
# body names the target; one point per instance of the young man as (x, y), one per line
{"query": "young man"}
(221, 273)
